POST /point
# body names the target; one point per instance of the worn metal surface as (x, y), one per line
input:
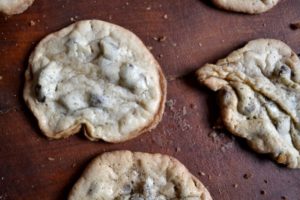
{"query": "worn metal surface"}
(31, 167)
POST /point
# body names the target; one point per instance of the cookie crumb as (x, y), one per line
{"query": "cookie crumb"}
(148, 8)
(235, 185)
(214, 136)
(171, 103)
(283, 197)
(160, 38)
(226, 146)
(200, 44)
(160, 55)
(51, 158)
(165, 16)
(295, 26)
(149, 48)
(201, 173)
(193, 106)
(184, 111)
(1, 77)
(177, 149)
(32, 23)
(265, 181)
(247, 176)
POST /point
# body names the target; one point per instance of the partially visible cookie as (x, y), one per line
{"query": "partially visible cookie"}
(125, 175)
(12, 7)
(97, 76)
(246, 6)
(259, 95)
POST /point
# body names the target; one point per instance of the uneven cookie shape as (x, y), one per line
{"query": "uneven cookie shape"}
(246, 6)
(12, 7)
(98, 76)
(125, 175)
(259, 95)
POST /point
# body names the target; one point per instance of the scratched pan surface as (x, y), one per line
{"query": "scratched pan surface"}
(32, 167)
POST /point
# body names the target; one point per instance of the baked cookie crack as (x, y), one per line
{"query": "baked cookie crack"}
(259, 97)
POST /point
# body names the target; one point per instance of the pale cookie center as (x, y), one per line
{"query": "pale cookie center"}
(95, 80)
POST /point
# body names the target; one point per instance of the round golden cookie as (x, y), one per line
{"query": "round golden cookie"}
(246, 6)
(96, 76)
(12, 7)
(125, 175)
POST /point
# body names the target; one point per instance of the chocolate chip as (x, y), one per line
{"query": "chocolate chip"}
(38, 93)
(284, 70)
(127, 189)
(95, 100)
(93, 187)
(250, 108)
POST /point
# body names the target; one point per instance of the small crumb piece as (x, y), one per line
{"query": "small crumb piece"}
(160, 55)
(162, 38)
(148, 8)
(283, 197)
(209, 177)
(51, 159)
(247, 176)
(295, 25)
(72, 19)
(1, 77)
(149, 48)
(74, 165)
(165, 16)
(235, 185)
(265, 181)
(262, 192)
(177, 149)
(32, 23)
(193, 106)
(184, 111)
(200, 44)
(201, 173)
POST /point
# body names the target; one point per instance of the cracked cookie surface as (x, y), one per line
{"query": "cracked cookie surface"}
(98, 76)
(12, 7)
(259, 94)
(125, 175)
(246, 6)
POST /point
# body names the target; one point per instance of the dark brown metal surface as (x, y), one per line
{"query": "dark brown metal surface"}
(31, 167)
